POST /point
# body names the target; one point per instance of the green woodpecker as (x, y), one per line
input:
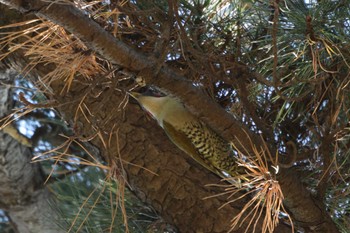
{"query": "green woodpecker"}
(190, 134)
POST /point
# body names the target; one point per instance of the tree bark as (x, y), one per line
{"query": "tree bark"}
(142, 143)
(23, 195)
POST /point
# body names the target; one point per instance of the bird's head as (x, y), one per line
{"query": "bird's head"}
(154, 105)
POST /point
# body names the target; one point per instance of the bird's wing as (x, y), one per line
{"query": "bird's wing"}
(184, 143)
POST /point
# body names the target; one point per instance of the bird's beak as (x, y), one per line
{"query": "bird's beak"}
(134, 95)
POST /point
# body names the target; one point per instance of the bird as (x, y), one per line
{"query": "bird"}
(190, 134)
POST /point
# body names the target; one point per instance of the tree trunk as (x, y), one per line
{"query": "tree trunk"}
(176, 186)
(23, 194)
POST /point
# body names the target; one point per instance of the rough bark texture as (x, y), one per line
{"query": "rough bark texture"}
(175, 187)
(178, 189)
(23, 195)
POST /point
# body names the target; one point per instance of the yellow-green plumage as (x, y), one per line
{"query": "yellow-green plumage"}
(190, 134)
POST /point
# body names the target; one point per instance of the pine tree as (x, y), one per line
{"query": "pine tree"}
(271, 78)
